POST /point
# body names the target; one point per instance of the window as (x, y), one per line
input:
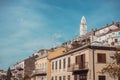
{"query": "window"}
(64, 63)
(118, 25)
(75, 77)
(83, 77)
(80, 76)
(60, 78)
(52, 65)
(101, 78)
(55, 77)
(52, 78)
(63, 77)
(69, 61)
(56, 65)
(76, 59)
(80, 60)
(116, 40)
(101, 58)
(59, 64)
(68, 77)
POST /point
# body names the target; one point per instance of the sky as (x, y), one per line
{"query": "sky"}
(26, 26)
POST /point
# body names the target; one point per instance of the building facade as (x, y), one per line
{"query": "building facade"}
(82, 63)
(23, 69)
(52, 70)
(40, 71)
(108, 35)
(29, 66)
(2, 75)
(18, 70)
(59, 67)
(88, 61)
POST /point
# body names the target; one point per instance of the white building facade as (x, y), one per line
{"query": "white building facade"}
(108, 35)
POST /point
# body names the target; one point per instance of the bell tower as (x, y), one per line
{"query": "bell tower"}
(83, 26)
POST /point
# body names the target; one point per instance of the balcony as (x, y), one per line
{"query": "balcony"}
(39, 72)
(78, 67)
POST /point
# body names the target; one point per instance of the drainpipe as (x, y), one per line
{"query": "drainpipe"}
(93, 33)
(93, 65)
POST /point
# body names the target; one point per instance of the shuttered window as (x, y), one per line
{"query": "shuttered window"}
(64, 63)
(80, 60)
(101, 58)
(60, 78)
(52, 78)
(55, 77)
(69, 61)
(56, 65)
(68, 77)
(63, 77)
(52, 65)
(59, 64)
(101, 78)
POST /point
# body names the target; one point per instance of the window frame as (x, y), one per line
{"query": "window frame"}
(64, 77)
(60, 78)
(64, 62)
(101, 58)
(52, 65)
(55, 64)
(103, 77)
(59, 64)
(55, 77)
(69, 61)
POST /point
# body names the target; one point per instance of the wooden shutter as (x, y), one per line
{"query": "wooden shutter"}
(83, 61)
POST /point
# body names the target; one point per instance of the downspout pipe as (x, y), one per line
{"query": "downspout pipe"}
(93, 64)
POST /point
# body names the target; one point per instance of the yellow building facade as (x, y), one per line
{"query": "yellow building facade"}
(52, 54)
(40, 72)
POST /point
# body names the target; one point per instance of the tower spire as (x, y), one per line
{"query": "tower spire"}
(83, 26)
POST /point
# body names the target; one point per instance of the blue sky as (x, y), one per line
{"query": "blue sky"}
(27, 26)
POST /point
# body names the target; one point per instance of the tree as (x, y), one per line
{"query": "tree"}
(113, 69)
(9, 74)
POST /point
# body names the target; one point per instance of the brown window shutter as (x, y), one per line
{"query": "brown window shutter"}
(83, 61)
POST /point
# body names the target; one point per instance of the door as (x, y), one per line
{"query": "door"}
(83, 77)
(80, 77)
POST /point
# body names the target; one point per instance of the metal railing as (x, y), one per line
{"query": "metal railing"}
(77, 67)
(39, 71)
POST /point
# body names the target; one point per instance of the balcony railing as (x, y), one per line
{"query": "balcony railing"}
(39, 71)
(78, 67)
